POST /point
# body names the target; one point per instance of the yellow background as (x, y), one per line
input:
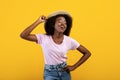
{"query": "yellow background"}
(96, 25)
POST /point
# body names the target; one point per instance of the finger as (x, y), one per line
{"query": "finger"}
(65, 68)
(43, 17)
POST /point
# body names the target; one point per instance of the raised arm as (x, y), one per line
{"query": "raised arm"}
(26, 34)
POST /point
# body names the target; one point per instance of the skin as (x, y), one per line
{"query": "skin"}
(60, 27)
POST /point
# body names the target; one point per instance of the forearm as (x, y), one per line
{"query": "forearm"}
(82, 59)
(30, 28)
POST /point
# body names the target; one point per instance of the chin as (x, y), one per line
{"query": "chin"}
(62, 31)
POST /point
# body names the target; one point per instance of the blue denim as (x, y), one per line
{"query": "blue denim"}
(55, 72)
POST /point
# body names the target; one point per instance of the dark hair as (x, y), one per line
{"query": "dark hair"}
(50, 22)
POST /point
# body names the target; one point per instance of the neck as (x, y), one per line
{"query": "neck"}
(58, 35)
(58, 38)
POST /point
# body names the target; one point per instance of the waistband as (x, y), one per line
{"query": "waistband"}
(58, 67)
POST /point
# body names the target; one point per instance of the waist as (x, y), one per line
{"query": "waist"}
(58, 67)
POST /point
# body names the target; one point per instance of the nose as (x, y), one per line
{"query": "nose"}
(63, 25)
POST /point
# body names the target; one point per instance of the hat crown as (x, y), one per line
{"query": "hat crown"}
(58, 13)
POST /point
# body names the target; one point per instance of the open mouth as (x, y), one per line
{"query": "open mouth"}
(62, 27)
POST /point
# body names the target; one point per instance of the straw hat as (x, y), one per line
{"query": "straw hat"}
(61, 12)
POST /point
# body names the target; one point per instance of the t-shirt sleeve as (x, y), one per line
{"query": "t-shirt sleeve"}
(74, 44)
(40, 38)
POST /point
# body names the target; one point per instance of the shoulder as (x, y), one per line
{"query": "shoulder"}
(72, 43)
(41, 38)
(68, 38)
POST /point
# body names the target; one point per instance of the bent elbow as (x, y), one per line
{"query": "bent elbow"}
(89, 54)
(22, 35)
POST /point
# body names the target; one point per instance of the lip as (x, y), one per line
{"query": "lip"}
(62, 27)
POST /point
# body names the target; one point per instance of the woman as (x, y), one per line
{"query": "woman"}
(55, 44)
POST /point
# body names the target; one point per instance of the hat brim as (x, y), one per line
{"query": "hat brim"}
(58, 13)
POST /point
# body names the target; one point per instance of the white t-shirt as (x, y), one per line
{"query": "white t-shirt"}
(56, 53)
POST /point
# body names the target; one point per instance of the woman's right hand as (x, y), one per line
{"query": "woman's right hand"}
(42, 18)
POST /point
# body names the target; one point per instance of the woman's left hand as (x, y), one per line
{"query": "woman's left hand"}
(68, 68)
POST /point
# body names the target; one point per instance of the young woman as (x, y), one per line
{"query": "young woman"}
(55, 44)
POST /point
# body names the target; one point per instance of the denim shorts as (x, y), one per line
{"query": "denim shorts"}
(55, 72)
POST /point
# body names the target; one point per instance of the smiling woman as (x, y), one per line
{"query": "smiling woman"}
(55, 44)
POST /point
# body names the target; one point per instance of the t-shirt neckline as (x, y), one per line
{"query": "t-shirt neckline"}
(56, 43)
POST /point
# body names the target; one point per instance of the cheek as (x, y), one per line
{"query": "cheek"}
(65, 26)
(56, 27)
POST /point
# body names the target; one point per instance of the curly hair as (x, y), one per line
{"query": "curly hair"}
(50, 22)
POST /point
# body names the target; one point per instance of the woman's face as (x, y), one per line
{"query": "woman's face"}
(60, 24)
